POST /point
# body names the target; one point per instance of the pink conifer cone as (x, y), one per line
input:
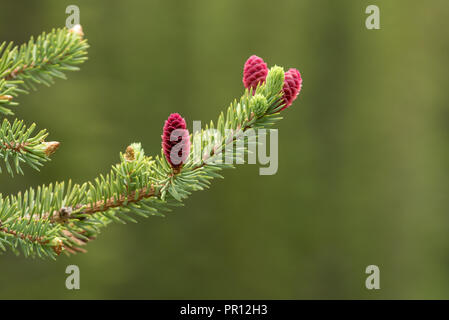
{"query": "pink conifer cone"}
(254, 72)
(292, 87)
(179, 143)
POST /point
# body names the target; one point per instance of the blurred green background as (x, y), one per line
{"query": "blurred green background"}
(363, 153)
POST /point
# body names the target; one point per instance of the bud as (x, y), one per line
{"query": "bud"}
(6, 97)
(130, 154)
(175, 141)
(50, 147)
(57, 245)
(275, 80)
(134, 152)
(258, 104)
(77, 29)
(254, 72)
(292, 87)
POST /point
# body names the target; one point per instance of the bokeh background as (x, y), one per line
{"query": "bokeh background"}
(363, 153)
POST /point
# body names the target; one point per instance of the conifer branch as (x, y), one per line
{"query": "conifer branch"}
(41, 60)
(21, 68)
(18, 145)
(64, 217)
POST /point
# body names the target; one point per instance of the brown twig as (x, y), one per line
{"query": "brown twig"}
(14, 146)
(64, 214)
(14, 73)
(40, 240)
